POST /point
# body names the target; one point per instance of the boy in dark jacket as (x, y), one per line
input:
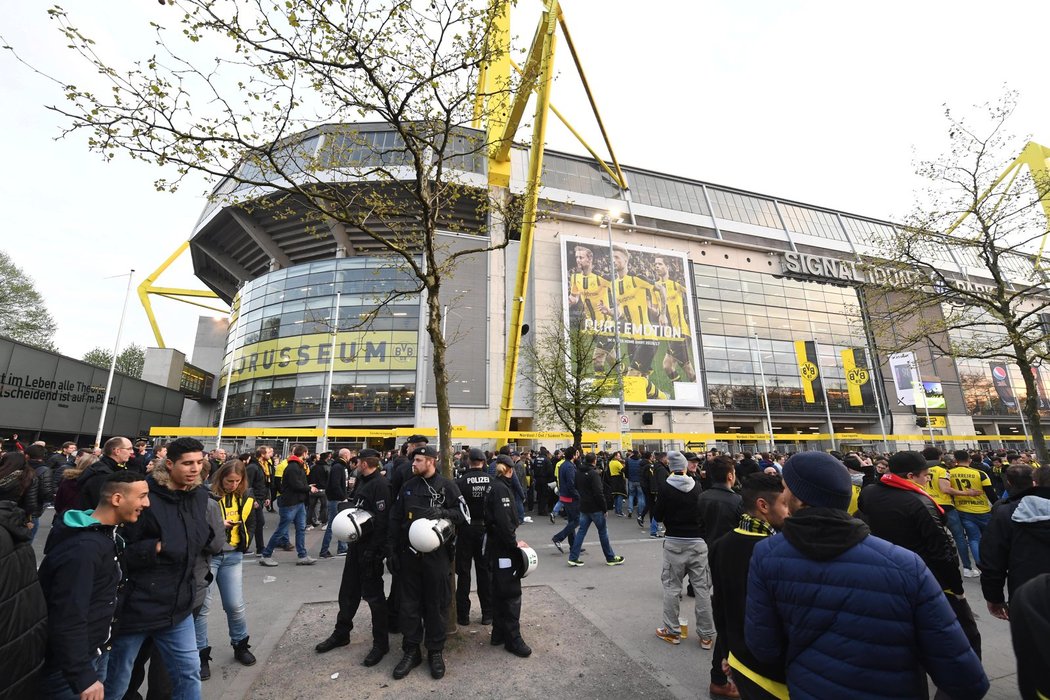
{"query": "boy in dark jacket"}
(592, 510)
(162, 551)
(79, 577)
(22, 607)
(803, 604)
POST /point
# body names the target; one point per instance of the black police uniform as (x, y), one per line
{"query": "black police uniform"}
(398, 472)
(474, 485)
(501, 522)
(363, 569)
(424, 590)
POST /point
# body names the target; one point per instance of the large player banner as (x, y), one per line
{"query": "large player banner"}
(654, 315)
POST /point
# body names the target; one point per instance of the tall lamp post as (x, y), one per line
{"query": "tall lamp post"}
(606, 222)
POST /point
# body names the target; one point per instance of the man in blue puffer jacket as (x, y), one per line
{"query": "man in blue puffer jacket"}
(851, 615)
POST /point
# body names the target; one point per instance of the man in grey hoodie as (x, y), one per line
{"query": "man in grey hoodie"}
(685, 552)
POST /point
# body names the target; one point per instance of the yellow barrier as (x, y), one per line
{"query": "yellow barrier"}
(460, 433)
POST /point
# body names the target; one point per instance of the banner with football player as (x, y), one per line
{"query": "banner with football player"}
(647, 295)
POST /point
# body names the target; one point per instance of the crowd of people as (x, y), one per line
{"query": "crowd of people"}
(812, 575)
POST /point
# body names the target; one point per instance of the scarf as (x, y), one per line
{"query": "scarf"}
(755, 525)
(899, 482)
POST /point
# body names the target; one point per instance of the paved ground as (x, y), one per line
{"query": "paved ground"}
(591, 629)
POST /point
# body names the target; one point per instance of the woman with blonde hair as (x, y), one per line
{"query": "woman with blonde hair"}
(229, 487)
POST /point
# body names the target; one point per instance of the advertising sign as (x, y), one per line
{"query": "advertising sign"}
(653, 313)
(902, 367)
(1001, 382)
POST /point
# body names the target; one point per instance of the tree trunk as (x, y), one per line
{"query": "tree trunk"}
(1031, 406)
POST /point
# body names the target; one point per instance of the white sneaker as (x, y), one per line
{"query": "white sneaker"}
(267, 561)
(971, 573)
(528, 519)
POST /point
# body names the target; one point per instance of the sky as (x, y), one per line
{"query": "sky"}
(826, 103)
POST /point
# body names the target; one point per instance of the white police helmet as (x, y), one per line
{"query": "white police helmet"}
(351, 524)
(426, 535)
(529, 560)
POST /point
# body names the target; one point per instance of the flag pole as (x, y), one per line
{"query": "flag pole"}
(113, 363)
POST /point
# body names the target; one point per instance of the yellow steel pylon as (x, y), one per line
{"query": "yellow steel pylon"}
(146, 289)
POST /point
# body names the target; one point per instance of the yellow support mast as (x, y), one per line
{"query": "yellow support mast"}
(146, 289)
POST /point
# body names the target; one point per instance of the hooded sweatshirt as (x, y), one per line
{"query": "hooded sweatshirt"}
(79, 576)
(1015, 547)
(853, 616)
(678, 508)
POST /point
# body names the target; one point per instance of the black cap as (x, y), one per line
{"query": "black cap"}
(417, 438)
(691, 457)
(515, 453)
(908, 461)
(476, 455)
(426, 451)
(368, 452)
(505, 461)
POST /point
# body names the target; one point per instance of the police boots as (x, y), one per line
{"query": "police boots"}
(205, 665)
(437, 664)
(241, 653)
(409, 661)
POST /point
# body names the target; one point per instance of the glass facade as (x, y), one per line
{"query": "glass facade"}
(734, 305)
(281, 340)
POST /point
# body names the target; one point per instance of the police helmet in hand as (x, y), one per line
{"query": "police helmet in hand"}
(426, 535)
(529, 560)
(351, 524)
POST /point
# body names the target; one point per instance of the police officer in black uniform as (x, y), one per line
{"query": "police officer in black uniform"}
(363, 570)
(425, 589)
(400, 471)
(501, 522)
(474, 485)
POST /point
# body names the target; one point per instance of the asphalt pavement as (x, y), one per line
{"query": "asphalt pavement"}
(591, 628)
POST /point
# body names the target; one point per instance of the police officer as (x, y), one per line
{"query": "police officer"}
(474, 485)
(425, 588)
(398, 472)
(501, 522)
(363, 569)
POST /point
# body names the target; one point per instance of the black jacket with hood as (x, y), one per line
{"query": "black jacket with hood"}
(160, 585)
(79, 576)
(23, 612)
(1015, 547)
(89, 483)
(678, 507)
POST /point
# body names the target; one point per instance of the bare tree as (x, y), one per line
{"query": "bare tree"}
(994, 227)
(570, 384)
(240, 91)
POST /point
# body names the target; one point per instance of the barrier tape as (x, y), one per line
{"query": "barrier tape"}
(462, 433)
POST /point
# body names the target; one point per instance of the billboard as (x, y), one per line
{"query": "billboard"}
(652, 293)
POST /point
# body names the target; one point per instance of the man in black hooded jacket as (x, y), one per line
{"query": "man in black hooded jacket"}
(84, 548)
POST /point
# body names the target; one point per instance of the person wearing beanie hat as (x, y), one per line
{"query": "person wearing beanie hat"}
(802, 602)
(818, 480)
(676, 462)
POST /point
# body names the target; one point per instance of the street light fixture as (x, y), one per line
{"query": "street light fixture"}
(606, 222)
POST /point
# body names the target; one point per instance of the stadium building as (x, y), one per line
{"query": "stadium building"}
(741, 313)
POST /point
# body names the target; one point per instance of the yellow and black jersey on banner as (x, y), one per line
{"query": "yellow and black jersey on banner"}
(675, 307)
(592, 291)
(634, 296)
(858, 377)
(806, 353)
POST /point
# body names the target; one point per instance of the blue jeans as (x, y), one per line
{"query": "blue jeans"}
(572, 512)
(974, 524)
(226, 572)
(635, 498)
(296, 514)
(326, 541)
(603, 535)
(177, 646)
(55, 686)
(618, 504)
(959, 535)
